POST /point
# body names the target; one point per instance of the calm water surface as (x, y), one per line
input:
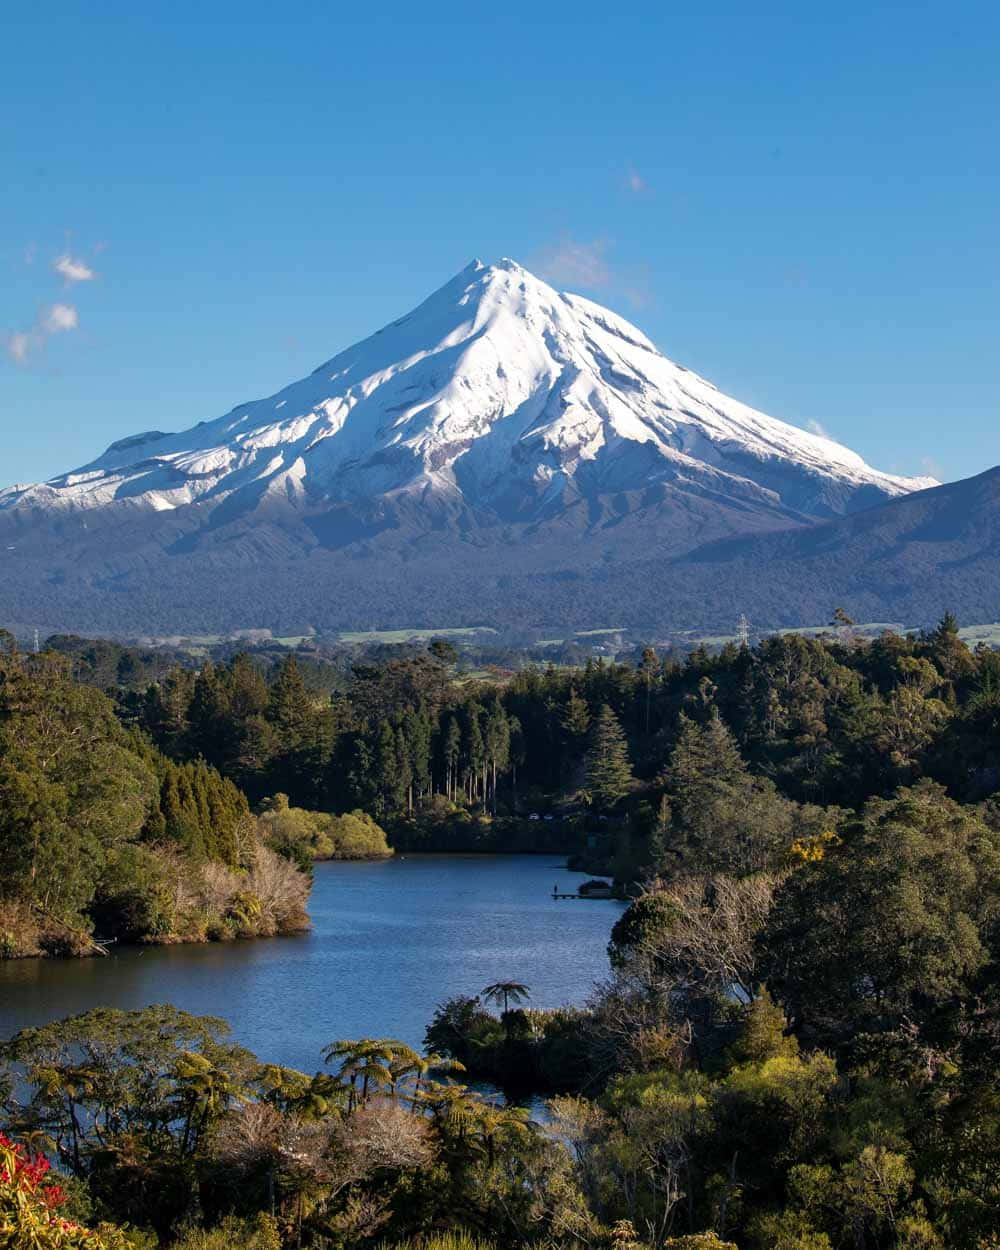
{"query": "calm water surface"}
(390, 940)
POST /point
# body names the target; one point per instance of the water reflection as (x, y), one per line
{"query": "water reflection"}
(390, 941)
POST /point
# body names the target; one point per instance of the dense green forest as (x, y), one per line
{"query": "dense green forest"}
(102, 832)
(796, 1044)
(810, 722)
(119, 766)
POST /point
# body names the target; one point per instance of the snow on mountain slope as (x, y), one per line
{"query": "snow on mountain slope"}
(498, 395)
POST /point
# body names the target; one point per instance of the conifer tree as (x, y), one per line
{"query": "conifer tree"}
(170, 804)
(452, 753)
(289, 706)
(659, 852)
(475, 751)
(576, 719)
(301, 731)
(402, 792)
(726, 818)
(649, 668)
(417, 731)
(607, 769)
(497, 745)
(385, 767)
(705, 753)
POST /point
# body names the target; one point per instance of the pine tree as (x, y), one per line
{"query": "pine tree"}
(576, 718)
(170, 804)
(659, 853)
(385, 767)
(417, 730)
(649, 668)
(290, 706)
(518, 750)
(607, 769)
(452, 753)
(497, 745)
(475, 751)
(206, 712)
(705, 753)
(725, 818)
(403, 782)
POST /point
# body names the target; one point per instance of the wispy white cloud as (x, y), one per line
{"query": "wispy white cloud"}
(571, 262)
(577, 265)
(814, 427)
(58, 318)
(635, 182)
(21, 345)
(18, 346)
(73, 269)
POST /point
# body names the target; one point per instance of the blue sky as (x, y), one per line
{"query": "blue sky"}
(799, 201)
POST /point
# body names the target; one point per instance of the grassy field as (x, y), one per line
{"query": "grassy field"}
(975, 634)
(869, 628)
(198, 644)
(413, 635)
(972, 635)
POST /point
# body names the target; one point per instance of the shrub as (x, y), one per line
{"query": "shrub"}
(30, 1202)
(282, 892)
(133, 899)
(356, 835)
(302, 836)
(259, 1233)
(20, 935)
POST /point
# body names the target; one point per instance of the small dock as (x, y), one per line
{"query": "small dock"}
(556, 894)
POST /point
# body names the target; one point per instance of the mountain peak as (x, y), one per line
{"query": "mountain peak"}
(497, 396)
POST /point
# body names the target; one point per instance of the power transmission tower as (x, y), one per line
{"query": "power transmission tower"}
(36, 640)
(743, 631)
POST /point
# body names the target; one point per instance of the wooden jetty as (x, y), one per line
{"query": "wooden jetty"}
(590, 894)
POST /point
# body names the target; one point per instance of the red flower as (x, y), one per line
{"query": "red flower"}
(53, 1196)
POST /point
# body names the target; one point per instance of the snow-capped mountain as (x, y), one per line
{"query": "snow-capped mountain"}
(503, 453)
(499, 397)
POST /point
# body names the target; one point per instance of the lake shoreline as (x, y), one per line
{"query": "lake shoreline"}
(389, 941)
(97, 947)
(93, 946)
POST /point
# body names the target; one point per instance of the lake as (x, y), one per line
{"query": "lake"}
(390, 940)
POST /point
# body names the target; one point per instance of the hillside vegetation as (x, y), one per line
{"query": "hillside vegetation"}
(103, 832)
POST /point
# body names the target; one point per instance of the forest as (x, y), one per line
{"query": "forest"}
(796, 1043)
(105, 838)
